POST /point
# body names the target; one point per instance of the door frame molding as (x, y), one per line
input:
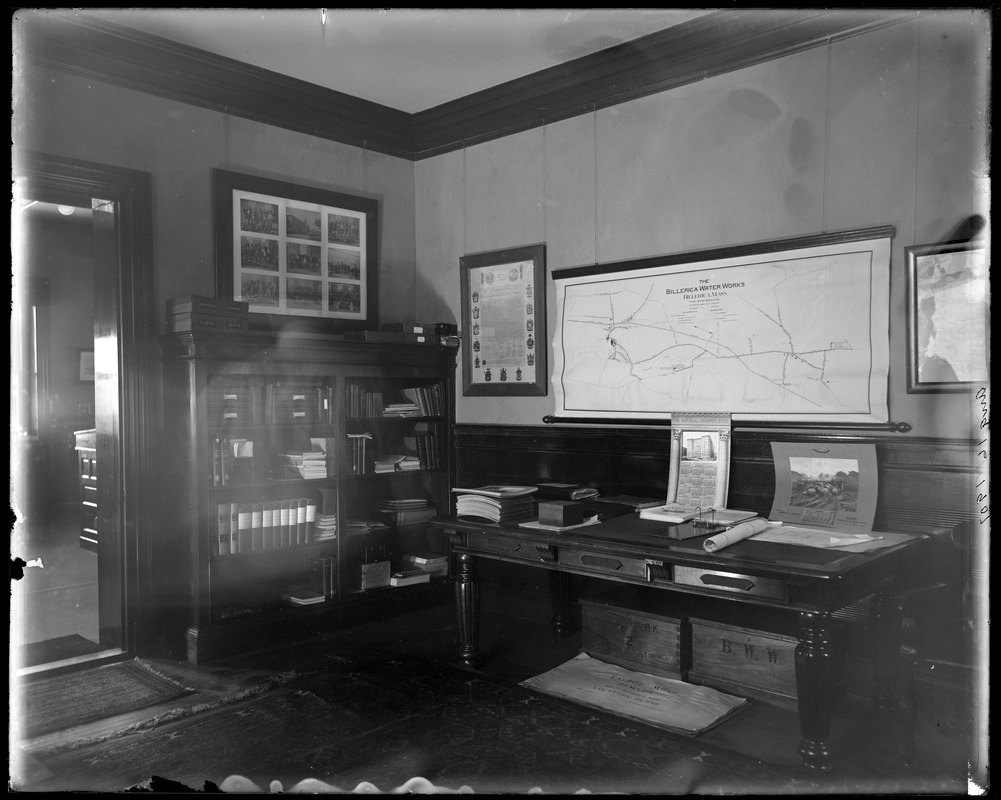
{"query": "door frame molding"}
(46, 176)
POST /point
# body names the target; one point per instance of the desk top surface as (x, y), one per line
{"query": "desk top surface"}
(628, 534)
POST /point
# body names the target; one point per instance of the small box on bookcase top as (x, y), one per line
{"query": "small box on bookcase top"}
(561, 513)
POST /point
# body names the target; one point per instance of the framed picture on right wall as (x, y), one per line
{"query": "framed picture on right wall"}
(947, 317)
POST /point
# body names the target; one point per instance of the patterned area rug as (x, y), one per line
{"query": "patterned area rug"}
(388, 722)
(380, 725)
(65, 701)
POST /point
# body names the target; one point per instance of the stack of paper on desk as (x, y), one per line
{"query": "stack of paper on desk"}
(496, 503)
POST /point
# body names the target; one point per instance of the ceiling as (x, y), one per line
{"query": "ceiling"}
(407, 59)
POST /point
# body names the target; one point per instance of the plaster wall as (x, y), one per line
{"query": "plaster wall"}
(886, 128)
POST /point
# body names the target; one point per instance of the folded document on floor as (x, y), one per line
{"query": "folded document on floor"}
(666, 703)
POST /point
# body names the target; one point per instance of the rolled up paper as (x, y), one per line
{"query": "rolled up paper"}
(734, 534)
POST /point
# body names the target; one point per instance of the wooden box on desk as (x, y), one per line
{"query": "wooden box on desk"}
(745, 662)
(636, 640)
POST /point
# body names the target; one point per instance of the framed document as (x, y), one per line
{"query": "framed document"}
(504, 322)
(947, 318)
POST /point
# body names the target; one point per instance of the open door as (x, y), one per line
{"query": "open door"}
(115, 616)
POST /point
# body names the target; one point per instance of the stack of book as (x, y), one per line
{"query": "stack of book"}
(363, 526)
(309, 465)
(408, 577)
(397, 463)
(303, 596)
(325, 527)
(496, 503)
(215, 315)
(401, 410)
(405, 511)
(435, 564)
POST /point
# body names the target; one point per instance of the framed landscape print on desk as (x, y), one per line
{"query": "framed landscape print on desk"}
(296, 254)
(504, 322)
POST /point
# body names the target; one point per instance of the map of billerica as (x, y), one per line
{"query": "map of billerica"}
(797, 336)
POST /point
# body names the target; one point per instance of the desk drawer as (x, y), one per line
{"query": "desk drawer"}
(517, 548)
(733, 582)
(603, 564)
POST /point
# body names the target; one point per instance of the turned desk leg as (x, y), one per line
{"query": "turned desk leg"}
(467, 603)
(887, 618)
(814, 671)
(559, 595)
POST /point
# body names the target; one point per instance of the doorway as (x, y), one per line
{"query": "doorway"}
(80, 334)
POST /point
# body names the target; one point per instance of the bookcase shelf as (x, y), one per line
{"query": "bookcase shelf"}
(242, 412)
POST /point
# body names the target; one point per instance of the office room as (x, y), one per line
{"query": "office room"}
(500, 401)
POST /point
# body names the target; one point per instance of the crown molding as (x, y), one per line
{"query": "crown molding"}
(132, 59)
(713, 44)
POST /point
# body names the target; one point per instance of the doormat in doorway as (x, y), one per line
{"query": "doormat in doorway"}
(674, 705)
(62, 647)
(65, 701)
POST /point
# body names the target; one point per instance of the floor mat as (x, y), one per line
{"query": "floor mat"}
(57, 649)
(65, 701)
(673, 705)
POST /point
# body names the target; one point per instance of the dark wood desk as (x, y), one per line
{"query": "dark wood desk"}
(809, 582)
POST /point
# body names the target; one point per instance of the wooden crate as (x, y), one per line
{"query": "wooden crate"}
(635, 640)
(745, 662)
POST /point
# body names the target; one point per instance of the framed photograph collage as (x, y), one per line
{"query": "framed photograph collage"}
(294, 251)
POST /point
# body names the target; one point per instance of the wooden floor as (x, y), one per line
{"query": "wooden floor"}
(864, 744)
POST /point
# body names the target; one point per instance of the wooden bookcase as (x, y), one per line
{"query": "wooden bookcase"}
(237, 408)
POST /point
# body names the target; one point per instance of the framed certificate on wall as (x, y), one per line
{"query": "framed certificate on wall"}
(504, 322)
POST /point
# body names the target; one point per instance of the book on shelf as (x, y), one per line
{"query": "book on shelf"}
(413, 516)
(256, 527)
(309, 464)
(284, 511)
(359, 457)
(234, 528)
(325, 528)
(425, 558)
(363, 526)
(401, 410)
(201, 304)
(434, 564)
(310, 505)
(244, 521)
(222, 529)
(303, 596)
(324, 576)
(409, 577)
(268, 525)
(428, 399)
